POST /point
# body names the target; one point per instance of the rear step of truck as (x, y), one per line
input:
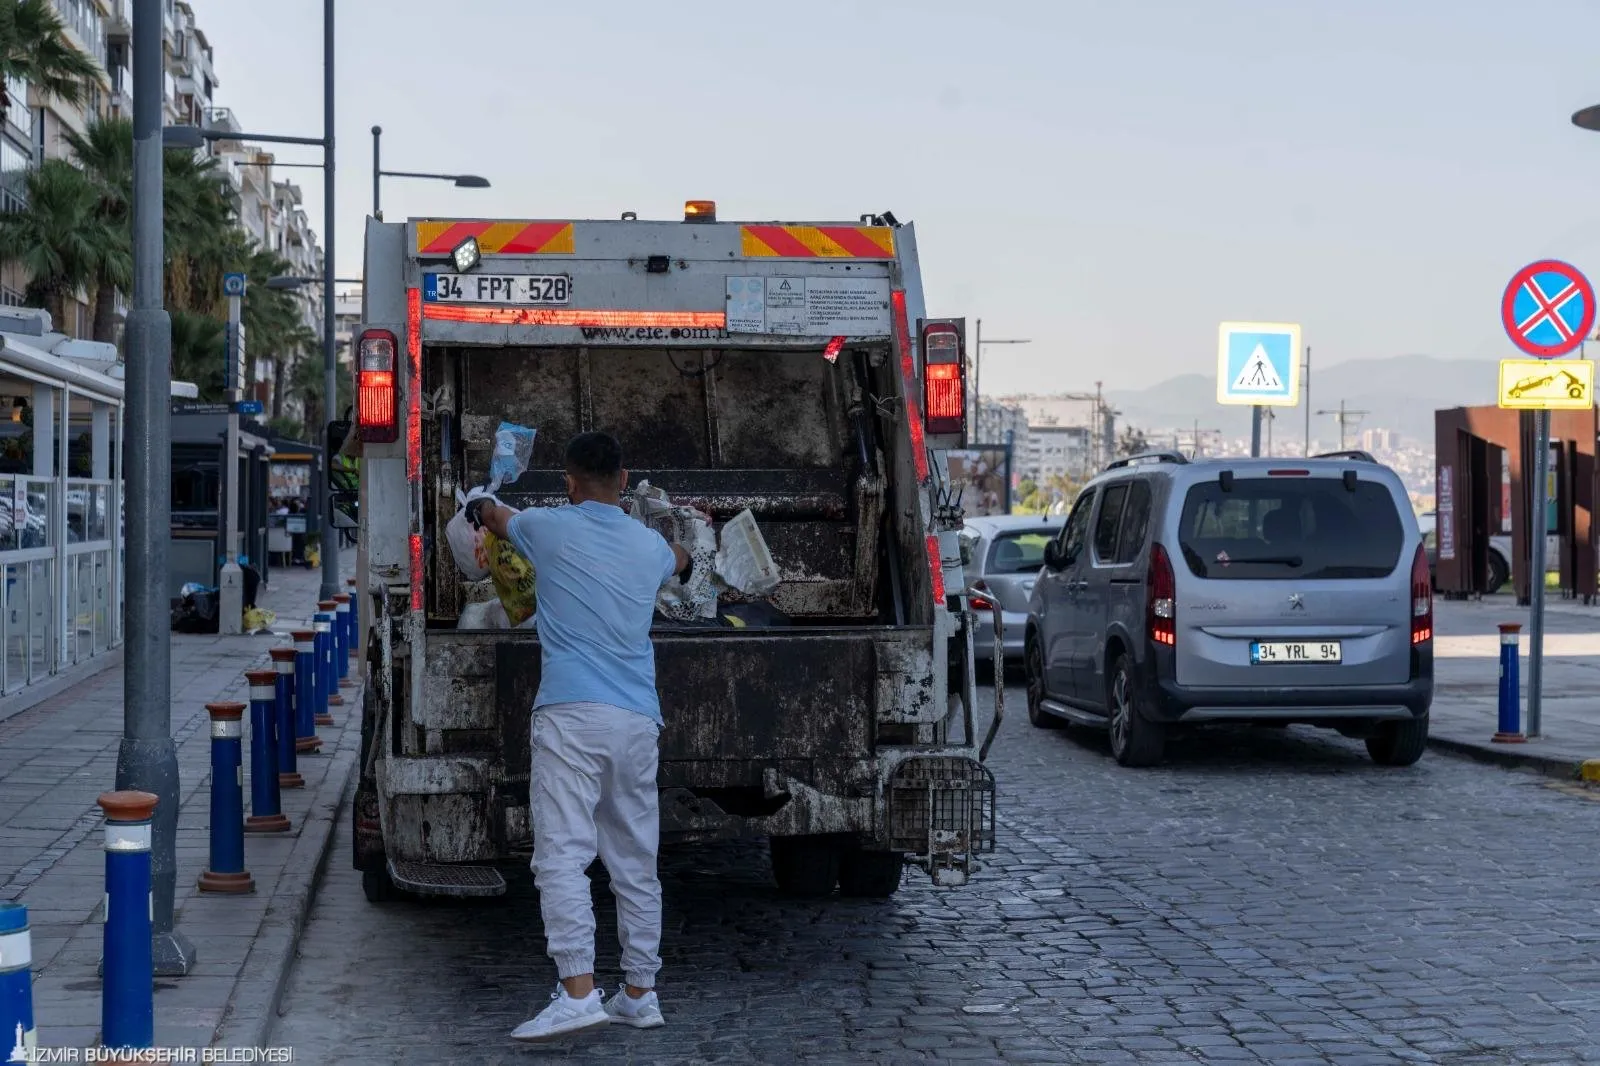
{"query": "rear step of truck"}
(438, 879)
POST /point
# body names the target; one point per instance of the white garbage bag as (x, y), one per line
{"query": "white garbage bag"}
(466, 542)
(486, 614)
(743, 561)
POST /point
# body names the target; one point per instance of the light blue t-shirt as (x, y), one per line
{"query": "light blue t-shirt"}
(597, 572)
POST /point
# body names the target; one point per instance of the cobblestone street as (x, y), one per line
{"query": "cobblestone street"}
(1267, 896)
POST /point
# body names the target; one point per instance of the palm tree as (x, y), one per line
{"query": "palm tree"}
(60, 239)
(105, 152)
(198, 346)
(34, 46)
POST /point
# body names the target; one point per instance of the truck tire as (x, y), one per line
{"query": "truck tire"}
(867, 874)
(1033, 669)
(377, 887)
(807, 867)
(1135, 739)
(1399, 743)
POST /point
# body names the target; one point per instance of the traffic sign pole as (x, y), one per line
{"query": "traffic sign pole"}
(230, 583)
(1255, 432)
(1548, 311)
(1539, 527)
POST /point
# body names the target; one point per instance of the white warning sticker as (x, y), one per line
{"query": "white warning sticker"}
(809, 307)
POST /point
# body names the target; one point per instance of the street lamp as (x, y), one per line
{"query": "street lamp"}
(977, 357)
(462, 181)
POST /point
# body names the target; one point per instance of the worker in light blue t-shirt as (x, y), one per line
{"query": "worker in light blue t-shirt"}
(596, 721)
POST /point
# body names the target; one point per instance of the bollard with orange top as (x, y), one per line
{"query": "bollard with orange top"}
(127, 995)
(341, 639)
(308, 693)
(322, 624)
(266, 812)
(283, 717)
(1510, 731)
(226, 872)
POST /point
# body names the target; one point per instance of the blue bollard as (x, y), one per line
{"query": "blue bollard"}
(283, 718)
(307, 691)
(226, 872)
(353, 640)
(16, 983)
(1510, 686)
(127, 997)
(341, 639)
(266, 803)
(322, 623)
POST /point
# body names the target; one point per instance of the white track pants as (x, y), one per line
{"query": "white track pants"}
(593, 792)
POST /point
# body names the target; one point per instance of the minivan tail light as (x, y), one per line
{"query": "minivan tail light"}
(375, 386)
(1162, 598)
(1421, 598)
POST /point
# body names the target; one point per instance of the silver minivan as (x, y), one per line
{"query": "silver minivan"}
(1001, 555)
(1236, 590)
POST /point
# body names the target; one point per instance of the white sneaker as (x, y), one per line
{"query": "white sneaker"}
(563, 1015)
(641, 1013)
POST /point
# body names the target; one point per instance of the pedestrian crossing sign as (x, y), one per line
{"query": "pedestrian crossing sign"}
(1258, 363)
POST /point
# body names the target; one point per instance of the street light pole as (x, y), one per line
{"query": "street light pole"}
(377, 172)
(330, 355)
(147, 760)
(977, 361)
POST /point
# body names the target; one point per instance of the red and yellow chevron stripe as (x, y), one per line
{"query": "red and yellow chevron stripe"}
(818, 242)
(496, 238)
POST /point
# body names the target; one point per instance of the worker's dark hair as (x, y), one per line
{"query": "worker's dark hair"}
(595, 458)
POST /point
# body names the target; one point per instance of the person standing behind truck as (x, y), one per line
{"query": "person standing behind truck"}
(596, 721)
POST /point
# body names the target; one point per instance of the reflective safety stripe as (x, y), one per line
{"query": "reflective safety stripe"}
(16, 950)
(817, 242)
(120, 836)
(304, 647)
(264, 693)
(226, 729)
(286, 666)
(1508, 638)
(321, 625)
(567, 316)
(496, 238)
(343, 608)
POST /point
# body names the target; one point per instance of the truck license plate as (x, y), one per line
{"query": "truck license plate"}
(497, 288)
(1326, 651)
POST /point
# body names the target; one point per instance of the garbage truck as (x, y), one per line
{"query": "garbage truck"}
(788, 370)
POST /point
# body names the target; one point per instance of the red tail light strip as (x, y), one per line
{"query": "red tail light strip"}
(563, 316)
(935, 570)
(414, 389)
(908, 376)
(414, 436)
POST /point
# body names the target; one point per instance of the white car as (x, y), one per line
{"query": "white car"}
(1499, 552)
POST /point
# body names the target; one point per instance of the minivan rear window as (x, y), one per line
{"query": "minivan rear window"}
(1302, 528)
(1018, 553)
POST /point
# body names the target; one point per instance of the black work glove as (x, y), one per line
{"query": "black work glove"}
(474, 511)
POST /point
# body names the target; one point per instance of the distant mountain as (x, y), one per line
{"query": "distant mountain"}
(1400, 394)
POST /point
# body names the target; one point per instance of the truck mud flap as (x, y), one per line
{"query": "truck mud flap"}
(941, 812)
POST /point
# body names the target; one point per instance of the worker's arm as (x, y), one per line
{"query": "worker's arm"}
(485, 513)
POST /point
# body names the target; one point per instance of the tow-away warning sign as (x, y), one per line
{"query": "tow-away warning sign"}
(809, 306)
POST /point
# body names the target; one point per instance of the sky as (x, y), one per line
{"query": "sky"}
(1107, 180)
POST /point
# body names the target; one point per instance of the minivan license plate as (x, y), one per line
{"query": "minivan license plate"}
(1273, 653)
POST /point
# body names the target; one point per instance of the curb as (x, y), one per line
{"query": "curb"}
(258, 991)
(1512, 757)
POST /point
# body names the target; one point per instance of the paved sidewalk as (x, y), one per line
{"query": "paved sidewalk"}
(1467, 680)
(57, 757)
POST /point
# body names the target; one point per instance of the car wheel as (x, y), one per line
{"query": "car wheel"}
(1499, 572)
(1399, 743)
(1033, 667)
(870, 874)
(1135, 740)
(805, 866)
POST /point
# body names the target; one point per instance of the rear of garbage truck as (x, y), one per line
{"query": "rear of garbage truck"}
(784, 373)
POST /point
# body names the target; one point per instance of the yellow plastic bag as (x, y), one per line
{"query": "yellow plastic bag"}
(513, 578)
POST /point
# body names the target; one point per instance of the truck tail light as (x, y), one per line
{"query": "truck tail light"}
(1421, 598)
(375, 386)
(1162, 598)
(979, 603)
(944, 400)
